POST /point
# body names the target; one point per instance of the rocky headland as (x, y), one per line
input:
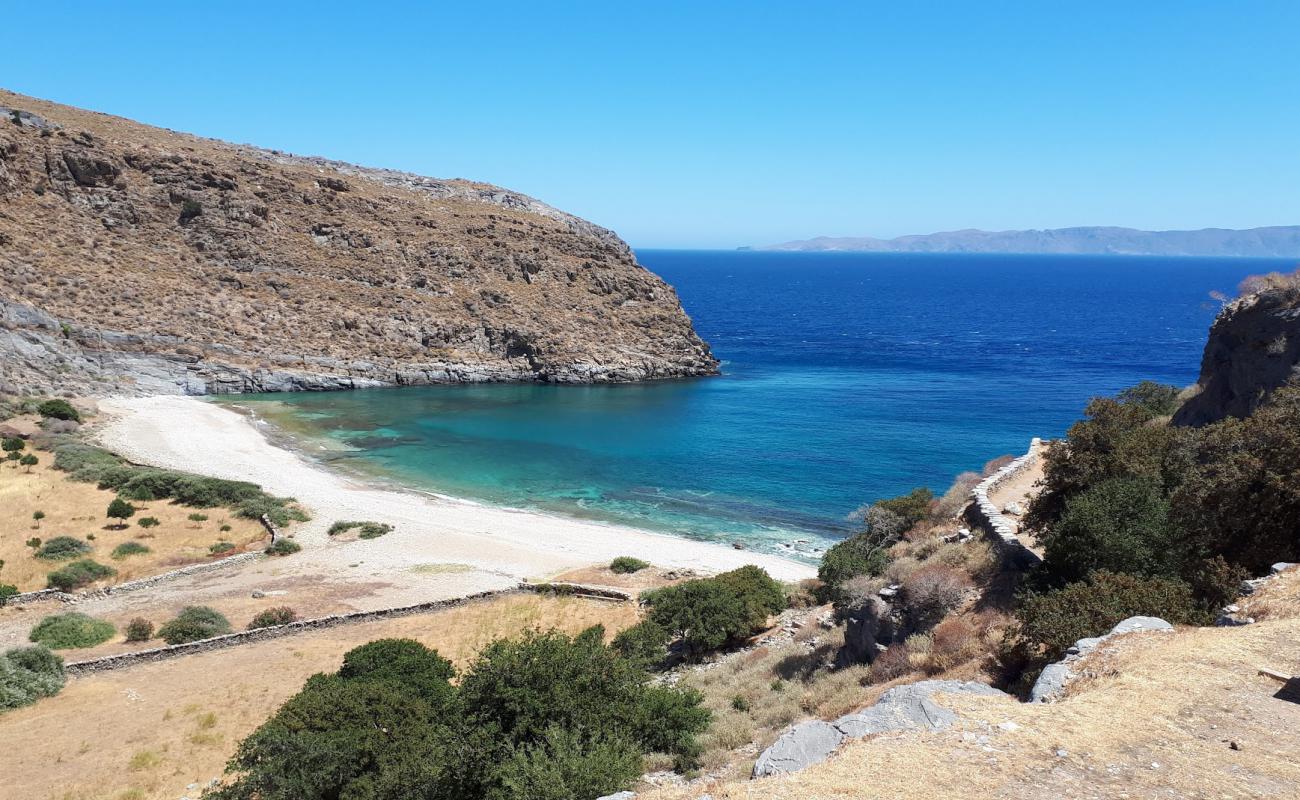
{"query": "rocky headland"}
(136, 260)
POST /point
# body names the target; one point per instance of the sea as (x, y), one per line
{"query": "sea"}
(845, 378)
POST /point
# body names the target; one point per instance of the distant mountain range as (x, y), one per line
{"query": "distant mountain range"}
(1281, 241)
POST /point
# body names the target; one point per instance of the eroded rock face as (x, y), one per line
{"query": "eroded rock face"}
(134, 259)
(1254, 347)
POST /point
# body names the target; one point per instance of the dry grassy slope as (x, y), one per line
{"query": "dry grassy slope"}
(298, 272)
(1158, 718)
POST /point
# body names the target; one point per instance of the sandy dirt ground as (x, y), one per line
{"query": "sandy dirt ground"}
(1019, 490)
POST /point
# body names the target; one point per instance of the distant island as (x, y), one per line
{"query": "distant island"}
(1282, 241)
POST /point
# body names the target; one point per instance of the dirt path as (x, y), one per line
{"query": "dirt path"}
(1019, 489)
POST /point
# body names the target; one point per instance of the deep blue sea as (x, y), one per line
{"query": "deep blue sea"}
(846, 378)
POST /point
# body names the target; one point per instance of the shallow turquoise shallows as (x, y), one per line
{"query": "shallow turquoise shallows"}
(846, 378)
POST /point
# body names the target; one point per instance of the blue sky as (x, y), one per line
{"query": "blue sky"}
(730, 123)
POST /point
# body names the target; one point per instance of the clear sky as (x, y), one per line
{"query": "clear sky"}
(717, 124)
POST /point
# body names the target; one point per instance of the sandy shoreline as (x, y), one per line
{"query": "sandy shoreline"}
(190, 434)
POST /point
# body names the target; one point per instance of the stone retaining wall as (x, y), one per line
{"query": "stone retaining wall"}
(131, 586)
(272, 632)
(984, 514)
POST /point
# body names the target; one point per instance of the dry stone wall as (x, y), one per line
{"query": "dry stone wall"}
(986, 515)
(136, 585)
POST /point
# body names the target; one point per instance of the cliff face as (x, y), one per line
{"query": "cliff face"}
(1254, 347)
(134, 259)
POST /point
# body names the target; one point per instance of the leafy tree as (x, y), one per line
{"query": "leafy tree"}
(194, 623)
(642, 643)
(34, 542)
(402, 661)
(864, 553)
(1119, 525)
(1241, 500)
(911, 507)
(29, 461)
(37, 516)
(58, 409)
(711, 612)
(566, 764)
(13, 445)
(1157, 399)
(120, 510)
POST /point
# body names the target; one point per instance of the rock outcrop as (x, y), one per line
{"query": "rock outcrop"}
(139, 260)
(1254, 347)
(908, 707)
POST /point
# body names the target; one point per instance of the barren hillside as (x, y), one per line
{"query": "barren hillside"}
(139, 259)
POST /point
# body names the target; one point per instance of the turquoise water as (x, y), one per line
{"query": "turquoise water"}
(846, 378)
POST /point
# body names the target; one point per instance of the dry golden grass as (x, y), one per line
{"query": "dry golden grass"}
(77, 509)
(147, 732)
(1159, 719)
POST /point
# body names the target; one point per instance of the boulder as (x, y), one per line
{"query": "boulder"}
(804, 744)
(909, 707)
(618, 796)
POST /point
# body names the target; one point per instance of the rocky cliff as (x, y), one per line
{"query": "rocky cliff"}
(1254, 347)
(140, 260)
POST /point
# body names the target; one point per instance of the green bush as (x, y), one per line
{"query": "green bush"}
(642, 643)
(860, 554)
(220, 548)
(71, 630)
(58, 409)
(283, 547)
(912, 507)
(369, 530)
(13, 445)
(1049, 623)
(78, 574)
(126, 549)
(61, 548)
(148, 522)
(543, 716)
(139, 629)
(625, 565)
(7, 590)
(28, 674)
(1118, 525)
(194, 623)
(280, 615)
(709, 613)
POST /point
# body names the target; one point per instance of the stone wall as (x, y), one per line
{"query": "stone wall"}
(272, 632)
(984, 514)
(136, 585)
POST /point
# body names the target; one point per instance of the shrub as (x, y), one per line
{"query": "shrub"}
(708, 613)
(1157, 399)
(369, 530)
(625, 565)
(189, 210)
(280, 615)
(71, 630)
(198, 519)
(129, 549)
(543, 716)
(7, 590)
(34, 542)
(78, 574)
(895, 662)
(13, 445)
(120, 510)
(148, 522)
(1051, 622)
(1119, 525)
(283, 547)
(29, 461)
(931, 592)
(856, 556)
(139, 630)
(28, 674)
(911, 507)
(58, 409)
(952, 642)
(194, 623)
(220, 548)
(37, 516)
(61, 548)
(642, 643)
